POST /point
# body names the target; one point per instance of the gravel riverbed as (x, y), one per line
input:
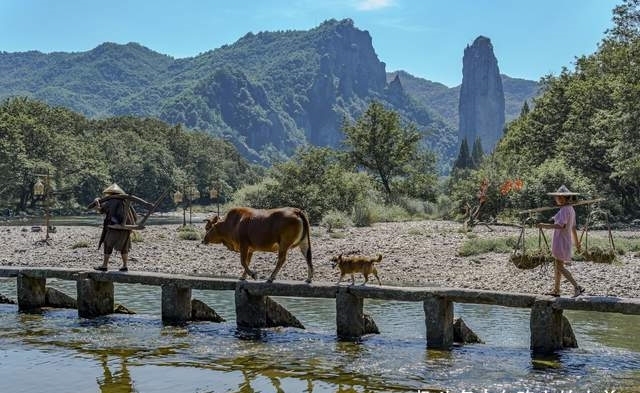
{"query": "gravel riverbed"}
(416, 253)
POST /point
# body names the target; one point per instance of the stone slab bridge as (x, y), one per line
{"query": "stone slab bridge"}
(95, 292)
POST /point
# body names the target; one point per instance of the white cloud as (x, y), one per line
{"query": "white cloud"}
(370, 5)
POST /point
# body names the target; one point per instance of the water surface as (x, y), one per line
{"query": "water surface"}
(55, 351)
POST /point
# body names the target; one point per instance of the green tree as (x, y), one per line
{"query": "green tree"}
(81, 156)
(316, 180)
(525, 109)
(463, 161)
(381, 145)
(477, 153)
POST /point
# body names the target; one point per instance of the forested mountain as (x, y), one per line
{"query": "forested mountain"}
(268, 93)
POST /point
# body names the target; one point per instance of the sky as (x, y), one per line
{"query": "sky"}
(531, 38)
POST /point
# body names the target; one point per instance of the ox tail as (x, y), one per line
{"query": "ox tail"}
(306, 236)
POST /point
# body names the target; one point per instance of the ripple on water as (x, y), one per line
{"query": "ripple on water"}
(120, 351)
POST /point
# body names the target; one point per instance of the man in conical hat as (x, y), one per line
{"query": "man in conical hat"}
(114, 239)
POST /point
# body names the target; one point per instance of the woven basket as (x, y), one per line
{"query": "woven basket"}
(529, 261)
(599, 255)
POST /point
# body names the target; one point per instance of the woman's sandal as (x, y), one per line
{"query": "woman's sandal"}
(552, 294)
(578, 291)
(100, 268)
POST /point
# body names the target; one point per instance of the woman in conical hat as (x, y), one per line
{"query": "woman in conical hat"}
(564, 231)
(114, 239)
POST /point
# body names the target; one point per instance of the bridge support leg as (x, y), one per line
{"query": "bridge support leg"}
(546, 328)
(31, 292)
(95, 298)
(438, 315)
(349, 315)
(251, 310)
(176, 304)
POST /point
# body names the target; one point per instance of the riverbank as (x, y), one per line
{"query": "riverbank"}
(419, 253)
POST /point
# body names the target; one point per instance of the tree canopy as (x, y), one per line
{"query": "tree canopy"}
(586, 123)
(80, 157)
(388, 150)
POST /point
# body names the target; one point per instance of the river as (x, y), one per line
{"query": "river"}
(55, 351)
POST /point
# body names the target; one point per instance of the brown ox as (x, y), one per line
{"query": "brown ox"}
(246, 230)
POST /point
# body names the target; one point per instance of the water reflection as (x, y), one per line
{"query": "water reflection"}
(117, 381)
(546, 362)
(127, 353)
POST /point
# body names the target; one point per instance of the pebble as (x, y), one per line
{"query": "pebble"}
(410, 256)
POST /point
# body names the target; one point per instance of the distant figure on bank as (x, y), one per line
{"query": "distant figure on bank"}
(114, 238)
(564, 231)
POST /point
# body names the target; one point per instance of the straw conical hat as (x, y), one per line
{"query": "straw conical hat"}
(563, 191)
(113, 189)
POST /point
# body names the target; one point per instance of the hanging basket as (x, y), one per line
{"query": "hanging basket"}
(598, 254)
(523, 259)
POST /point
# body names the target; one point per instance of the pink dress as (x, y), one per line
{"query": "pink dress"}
(561, 247)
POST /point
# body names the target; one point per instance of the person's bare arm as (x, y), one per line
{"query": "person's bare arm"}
(576, 241)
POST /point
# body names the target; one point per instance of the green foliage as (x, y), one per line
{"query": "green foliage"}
(463, 161)
(81, 157)
(189, 232)
(477, 154)
(136, 237)
(256, 195)
(476, 246)
(80, 244)
(316, 180)
(269, 92)
(362, 216)
(588, 119)
(381, 145)
(335, 219)
(389, 213)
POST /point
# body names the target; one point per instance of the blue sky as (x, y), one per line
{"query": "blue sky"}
(531, 38)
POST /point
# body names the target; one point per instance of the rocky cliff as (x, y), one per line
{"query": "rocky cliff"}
(481, 105)
(268, 93)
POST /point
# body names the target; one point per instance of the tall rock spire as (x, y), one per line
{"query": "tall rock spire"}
(481, 105)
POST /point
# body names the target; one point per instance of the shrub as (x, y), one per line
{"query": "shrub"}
(189, 232)
(476, 246)
(80, 244)
(362, 215)
(414, 207)
(136, 237)
(388, 213)
(335, 219)
(256, 195)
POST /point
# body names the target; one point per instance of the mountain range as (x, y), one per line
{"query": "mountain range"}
(268, 93)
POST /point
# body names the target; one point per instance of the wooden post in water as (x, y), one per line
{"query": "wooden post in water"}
(31, 292)
(349, 315)
(176, 304)
(95, 298)
(546, 328)
(251, 310)
(438, 315)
